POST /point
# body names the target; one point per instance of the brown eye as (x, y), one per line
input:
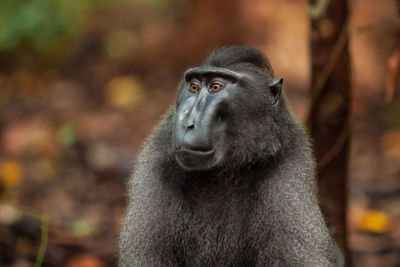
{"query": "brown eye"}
(194, 87)
(215, 87)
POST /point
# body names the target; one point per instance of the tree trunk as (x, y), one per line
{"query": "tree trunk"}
(330, 112)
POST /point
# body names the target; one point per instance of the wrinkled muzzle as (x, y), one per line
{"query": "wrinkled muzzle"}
(196, 123)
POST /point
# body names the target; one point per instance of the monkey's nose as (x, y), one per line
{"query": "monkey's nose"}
(190, 127)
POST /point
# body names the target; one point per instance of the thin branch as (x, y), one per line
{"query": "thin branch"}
(44, 233)
(336, 148)
(327, 70)
(43, 243)
(318, 89)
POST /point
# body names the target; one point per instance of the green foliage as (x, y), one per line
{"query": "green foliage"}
(44, 24)
(80, 228)
(40, 23)
(67, 135)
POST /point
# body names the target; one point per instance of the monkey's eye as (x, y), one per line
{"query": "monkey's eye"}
(215, 87)
(194, 87)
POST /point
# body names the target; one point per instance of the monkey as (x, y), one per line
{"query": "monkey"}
(227, 177)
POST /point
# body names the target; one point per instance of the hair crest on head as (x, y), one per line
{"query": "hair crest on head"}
(229, 55)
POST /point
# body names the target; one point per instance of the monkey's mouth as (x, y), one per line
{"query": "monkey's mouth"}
(198, 152)
(194, 159)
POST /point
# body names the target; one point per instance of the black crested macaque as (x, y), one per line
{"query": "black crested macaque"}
(227, 178)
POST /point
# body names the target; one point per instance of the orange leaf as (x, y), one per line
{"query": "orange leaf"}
(374, 221)
(10, 173)
(126, 92)
(85, 261)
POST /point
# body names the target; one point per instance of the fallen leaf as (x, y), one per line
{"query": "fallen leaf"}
(85, 261)
(28, 137)
(80, 228)
(375, 222)
(125, 92)
(10, 173)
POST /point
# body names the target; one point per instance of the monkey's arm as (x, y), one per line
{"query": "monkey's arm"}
(147, 237)
(138, 241)
(146, 234)
(297, 232)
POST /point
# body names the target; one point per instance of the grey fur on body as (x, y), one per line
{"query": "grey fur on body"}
(257, 208)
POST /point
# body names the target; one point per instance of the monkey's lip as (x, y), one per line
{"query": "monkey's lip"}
(195, 152)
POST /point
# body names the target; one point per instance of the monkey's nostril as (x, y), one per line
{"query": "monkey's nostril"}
(178, 146)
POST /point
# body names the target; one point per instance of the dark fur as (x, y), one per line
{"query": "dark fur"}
(228, 56)
(257, 208)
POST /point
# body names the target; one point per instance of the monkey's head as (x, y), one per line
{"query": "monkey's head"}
(228, 110)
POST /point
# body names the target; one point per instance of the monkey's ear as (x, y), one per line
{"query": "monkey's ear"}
(275, 87)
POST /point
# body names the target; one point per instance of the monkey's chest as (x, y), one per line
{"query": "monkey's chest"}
(215, 237)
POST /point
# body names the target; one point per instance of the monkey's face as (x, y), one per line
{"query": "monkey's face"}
(215, 109)
(201, 123)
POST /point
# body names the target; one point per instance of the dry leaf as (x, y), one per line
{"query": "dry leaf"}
(28, 137)
(85, 261)
(125, 92)
(10, 173)
(375, 222)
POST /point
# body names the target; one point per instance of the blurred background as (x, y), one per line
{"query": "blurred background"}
(83, 83)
